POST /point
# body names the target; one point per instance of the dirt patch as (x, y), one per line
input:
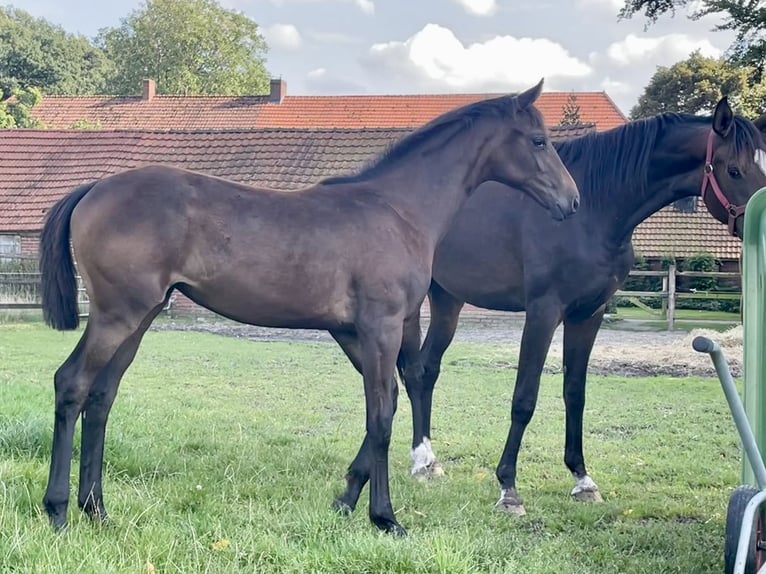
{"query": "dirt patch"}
(616, 352)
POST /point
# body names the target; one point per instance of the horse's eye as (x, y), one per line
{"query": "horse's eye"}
(539, 142)
(734, 173)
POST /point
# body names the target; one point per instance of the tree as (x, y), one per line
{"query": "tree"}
(695, 85)
(16, 112)
(37, 54)
(571, 112)
(189, 47)
(745, 17)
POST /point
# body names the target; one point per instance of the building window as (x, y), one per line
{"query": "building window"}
(10, 247)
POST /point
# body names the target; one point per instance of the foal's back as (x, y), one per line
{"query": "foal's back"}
(261, 256)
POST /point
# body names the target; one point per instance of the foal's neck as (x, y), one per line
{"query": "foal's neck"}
(429, 184)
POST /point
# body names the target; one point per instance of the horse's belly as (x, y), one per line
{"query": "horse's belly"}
(295, 305)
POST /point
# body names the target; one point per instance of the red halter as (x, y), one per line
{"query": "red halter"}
(734, 211)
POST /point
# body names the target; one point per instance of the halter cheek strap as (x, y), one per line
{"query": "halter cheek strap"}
(709, 181)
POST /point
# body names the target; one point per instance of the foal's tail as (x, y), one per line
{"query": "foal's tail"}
(59, 284)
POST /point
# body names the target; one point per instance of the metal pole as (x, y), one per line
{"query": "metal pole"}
(705, 345)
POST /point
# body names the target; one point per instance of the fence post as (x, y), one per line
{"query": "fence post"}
(664, 301)
(671, 296)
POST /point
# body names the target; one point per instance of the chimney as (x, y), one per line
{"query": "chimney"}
(278, 91)
(149, 90)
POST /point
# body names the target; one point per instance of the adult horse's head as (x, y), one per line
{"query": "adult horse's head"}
(735, 166)
(525, 159)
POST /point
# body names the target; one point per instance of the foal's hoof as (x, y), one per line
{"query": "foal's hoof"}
(56, 515)
(389, 526)
(591, 495)
(510, 503)
(433, 470)
(342, 507)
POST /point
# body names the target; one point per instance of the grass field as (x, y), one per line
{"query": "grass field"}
(224, 455)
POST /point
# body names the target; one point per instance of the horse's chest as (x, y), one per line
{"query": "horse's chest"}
(591, 284)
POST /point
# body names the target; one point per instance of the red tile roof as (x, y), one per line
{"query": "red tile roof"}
(671, 232)
(37, 167)
(302, 112)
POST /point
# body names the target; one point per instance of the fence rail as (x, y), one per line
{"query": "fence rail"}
(21, 291)
(669, 293)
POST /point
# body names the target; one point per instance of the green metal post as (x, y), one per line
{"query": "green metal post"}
(754, 322)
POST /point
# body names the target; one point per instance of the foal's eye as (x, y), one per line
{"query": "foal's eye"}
(734, 173)
(539, 142)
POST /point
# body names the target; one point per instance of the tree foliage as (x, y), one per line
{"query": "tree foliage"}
(571, 112)
(189, 47)
(16, 112)
(37, 54)
(745, 17)
(695, 85)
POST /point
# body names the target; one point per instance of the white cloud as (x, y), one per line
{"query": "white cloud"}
(284, 36)
(317, 73)
(435, 58)
(616, 87)
(609, 5)
(478, 7)
(366, 6)
(660, 50)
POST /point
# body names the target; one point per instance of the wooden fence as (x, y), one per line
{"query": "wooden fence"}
(20, 291)
(670, 295)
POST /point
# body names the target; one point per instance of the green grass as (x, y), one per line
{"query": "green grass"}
(224, 455)
(681, 314)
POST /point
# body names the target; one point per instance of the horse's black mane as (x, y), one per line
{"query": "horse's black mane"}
(455, 120)
(615, 159)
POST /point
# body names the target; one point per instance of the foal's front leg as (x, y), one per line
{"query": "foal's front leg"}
(578, 344)
(374, 354)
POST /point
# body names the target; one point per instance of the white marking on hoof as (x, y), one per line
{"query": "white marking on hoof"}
(586, 490)
(509, 502)
(760, 160)
(422, 458)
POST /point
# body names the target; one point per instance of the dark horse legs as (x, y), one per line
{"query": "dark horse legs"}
(375, 359)
(539, 326)
(579, 338)
(420, 378)
(87, 384)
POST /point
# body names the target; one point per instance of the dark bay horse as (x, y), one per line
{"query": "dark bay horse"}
(502, 252)
(351, 255)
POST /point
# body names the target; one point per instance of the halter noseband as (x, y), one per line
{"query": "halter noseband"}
(708, 177)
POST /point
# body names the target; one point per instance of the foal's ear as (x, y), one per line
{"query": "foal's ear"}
(723, 118)
(528, 97)
(760, 123)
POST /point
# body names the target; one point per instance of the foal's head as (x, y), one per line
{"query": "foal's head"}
(523, 157)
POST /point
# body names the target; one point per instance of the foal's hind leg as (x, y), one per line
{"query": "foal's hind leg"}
(94, 417)
(578, 344)
(74, 382)
(420, 381)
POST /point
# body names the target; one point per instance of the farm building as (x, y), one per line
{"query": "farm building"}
(275, 140)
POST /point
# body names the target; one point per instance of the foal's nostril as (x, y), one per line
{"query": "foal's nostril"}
(575, 204)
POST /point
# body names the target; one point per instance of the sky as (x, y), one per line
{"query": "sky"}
(440, 46)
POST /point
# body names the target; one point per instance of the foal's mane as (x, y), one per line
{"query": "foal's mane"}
(619, 158)
(437, 132)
